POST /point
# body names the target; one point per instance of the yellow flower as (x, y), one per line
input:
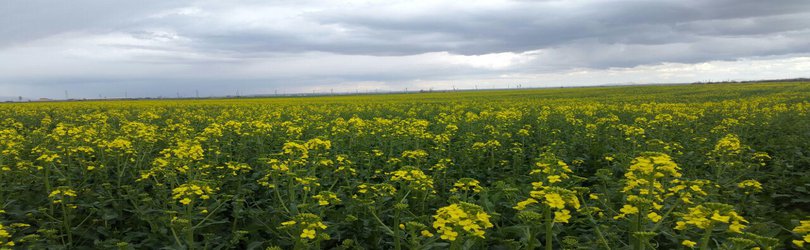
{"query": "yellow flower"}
(736, 227)
(625, 210)
(426, 233)
(688, 243)
(654, 217)
(449, 235)
(629, 209)
(562, 216)
(308, 233)
(185, 201)
(522, 205)
(554, 200)
(717, 217)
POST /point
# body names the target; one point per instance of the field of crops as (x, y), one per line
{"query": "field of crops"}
(700, 166)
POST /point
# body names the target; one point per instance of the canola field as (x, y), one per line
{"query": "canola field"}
(721, 166)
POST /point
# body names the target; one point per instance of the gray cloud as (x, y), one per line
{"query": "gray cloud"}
(263, 45)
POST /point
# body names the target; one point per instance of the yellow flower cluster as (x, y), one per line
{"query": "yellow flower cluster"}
(710, 215)
(48, 157)
(728, 145)
(186, 193)
(307, 226)
(442, 165)
(61, 193)
(461, 218)
(11, 141)
(644, 184)
(366, 191)
(553, 169)
(750, 186)
(237, 168)
(119, 145)
(317, 144)
(467, 184)
(488, 145)
(307, 182)
(5, 238)
(413, 177)
(761, 158)
(294, 149)
(325, 198)
(688, 190)
(414, 154)
(297, 155)
(277, 165)
(802, 229)
(344, 165)
(186, 150)
(553, 197)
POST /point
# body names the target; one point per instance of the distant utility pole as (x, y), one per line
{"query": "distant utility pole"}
(197, 93)
(275, 92)
(126, 94)
(66, 95)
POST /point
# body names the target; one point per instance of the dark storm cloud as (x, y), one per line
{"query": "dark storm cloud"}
(468, 28)
(536, 25)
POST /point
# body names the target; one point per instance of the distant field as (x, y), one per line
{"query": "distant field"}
(720, 166)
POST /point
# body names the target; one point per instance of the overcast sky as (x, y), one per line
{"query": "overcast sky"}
(93, 48)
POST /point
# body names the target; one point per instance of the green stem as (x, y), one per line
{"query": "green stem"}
(387, 229)
(66, 224)
(48, 186)
(236, 203)
(189, 229)
(704, 242)
(278, 195)
(634, 242)
(642, 242)
(397, 240)
(549, 224)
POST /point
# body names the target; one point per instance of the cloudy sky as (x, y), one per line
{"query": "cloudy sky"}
(93, 48)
